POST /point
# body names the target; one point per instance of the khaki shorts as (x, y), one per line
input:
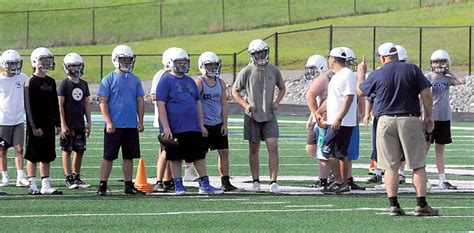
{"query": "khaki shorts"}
(260, 131)
(400, 134)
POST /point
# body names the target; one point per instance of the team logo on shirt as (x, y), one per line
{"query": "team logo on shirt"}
(77, 94)
(18, 84)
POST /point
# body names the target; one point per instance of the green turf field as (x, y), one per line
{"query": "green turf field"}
(82, 210)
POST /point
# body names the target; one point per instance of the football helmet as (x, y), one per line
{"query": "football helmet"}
(402, 53)
(165, 57)
(259, 52)
(350, 59)
(315, 66)
(123, 58)
(11, 62)
(209, 58)
(43, 59)
(436, 57)
(175, 55)
(73, 65)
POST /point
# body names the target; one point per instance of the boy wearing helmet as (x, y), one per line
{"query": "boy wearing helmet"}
(73, 96)
(441, 79)
(212, 90)
(259, 79)
(12, 129)
(43, 122)
(181, 115)
(122, 105)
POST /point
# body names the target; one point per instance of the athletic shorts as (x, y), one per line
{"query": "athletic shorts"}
(319, 150)
(215, 140)
(75, 141)
(189, 149)
(397, 135)
(353, 149)
(127, 138)
(312, 134)
(336, 142)
(12, 135)
(442, 132)
(41, 149)
(259, 131)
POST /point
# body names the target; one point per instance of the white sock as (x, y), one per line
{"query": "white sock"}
(401, 173)
(442, 178)
(378, 172)
(32, 181)
(20, 174)
(5, 175)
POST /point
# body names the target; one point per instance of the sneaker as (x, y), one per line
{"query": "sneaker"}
(343, 189)
(376, 179)
(353, 185)
(228, 187)
(380, 187)
(447, 185)
(22, 182)
(102, 190)
(131, 190)
(206, 188)
(178, 186)
(80, 183)
(402, 179)
(274, 188)
(168, 185)
(46, 188)
(5, 182)
(33, 189)
(336, 188)
(71, 183)
(396, 211)
(426, 211)
(158, 187)
(33, 192)
(256, 187)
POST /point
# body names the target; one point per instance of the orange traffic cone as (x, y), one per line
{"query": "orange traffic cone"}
(141, 181)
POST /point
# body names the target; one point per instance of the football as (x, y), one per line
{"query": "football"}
(168, 142)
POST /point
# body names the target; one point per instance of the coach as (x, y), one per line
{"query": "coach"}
(396, 86)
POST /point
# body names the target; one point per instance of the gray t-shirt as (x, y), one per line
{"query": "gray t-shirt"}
(259, 85)
(440, 90)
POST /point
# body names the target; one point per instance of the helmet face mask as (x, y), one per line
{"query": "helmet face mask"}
(213, 69)
(13, 67)
(311, 72)
(315, 66)
(440, 66)
(259, 52)
(181, 66)
(260, 57)
(352, 64)
(75, 70)
(123, 58)
(46, 63)
(178, 61)
(209, 64)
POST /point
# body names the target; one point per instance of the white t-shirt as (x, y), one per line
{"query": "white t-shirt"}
(154, 84)
(342, 84)
(12, 105)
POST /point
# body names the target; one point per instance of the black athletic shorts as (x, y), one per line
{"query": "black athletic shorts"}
(336, 142)
(127, 138)
(215, 140)
(75, 141)
(41, 149)
(442, 132)
(190, 147)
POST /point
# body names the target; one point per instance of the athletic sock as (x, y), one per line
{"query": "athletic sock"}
(44, 177)
(378, 172)
(273, 181)
(394, 201)
(5, 174)
(103, 185)
(128, 183)
(256, 180)
(421, 202)
(442, 178)
(20, 173)
(401, 173)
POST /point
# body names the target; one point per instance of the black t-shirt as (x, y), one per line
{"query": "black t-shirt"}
(74, 101)
(41, 100)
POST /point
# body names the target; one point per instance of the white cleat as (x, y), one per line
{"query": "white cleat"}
(46, 188)
(5, 182)
(256, 187)
(274, 188)
(22, 182)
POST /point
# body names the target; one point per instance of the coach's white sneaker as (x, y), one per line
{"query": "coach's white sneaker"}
(22, 181)
(46, 188)
(256, 187)
(274, 188)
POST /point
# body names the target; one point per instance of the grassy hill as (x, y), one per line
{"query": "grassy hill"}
(295, 48)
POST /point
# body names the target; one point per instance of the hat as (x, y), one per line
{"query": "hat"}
(387, 49)
(338, 52)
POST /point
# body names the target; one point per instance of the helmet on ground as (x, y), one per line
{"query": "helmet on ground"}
(11, 62)
(205, 64)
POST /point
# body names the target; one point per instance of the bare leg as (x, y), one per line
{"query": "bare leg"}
(223, 162)
(66, 160)
(419, 181)
(127, 168)
(31, 168)
(161, 165)
(3, 160)
(19, 157)
(323, 169)
(273, 160)
(105, 169)
(176, 170)
(77, 162)
(45, 169)
(200, 166)
(254, 159)
(392, 182)
(439, 150)
(311, 150)
(344, 170)
(335, 167)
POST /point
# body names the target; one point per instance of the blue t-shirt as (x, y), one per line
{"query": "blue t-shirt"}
(396, 86)
(180, 96)
(122, 91)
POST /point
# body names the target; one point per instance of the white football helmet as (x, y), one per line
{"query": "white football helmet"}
(257, 46)
(11, 62)
(440, 55)
(43, 59)
(165, 57)
(315, 66)
(73, 65)
(209, 58)
(178, 54)
(123, 58)
(350, 59)
(402, 53)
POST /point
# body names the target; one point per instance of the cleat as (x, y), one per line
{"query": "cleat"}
(402, 179)
(353, 185)
(380, 187)
(168, 185)
(131, 190)
(22, 182)
(206, 188)
(426, 211)
(274, 188)
(396, 211)
(228, 187)
(33, 192)
(81, 184)
(376, 179)
(336, 188)
(50, 191)
(158, 187)
(179, 187)
(5, 182)
(447, 186)
(71, 183)
(3, 193)
(256, 187)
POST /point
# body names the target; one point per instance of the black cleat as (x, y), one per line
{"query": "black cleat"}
(131, 190)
